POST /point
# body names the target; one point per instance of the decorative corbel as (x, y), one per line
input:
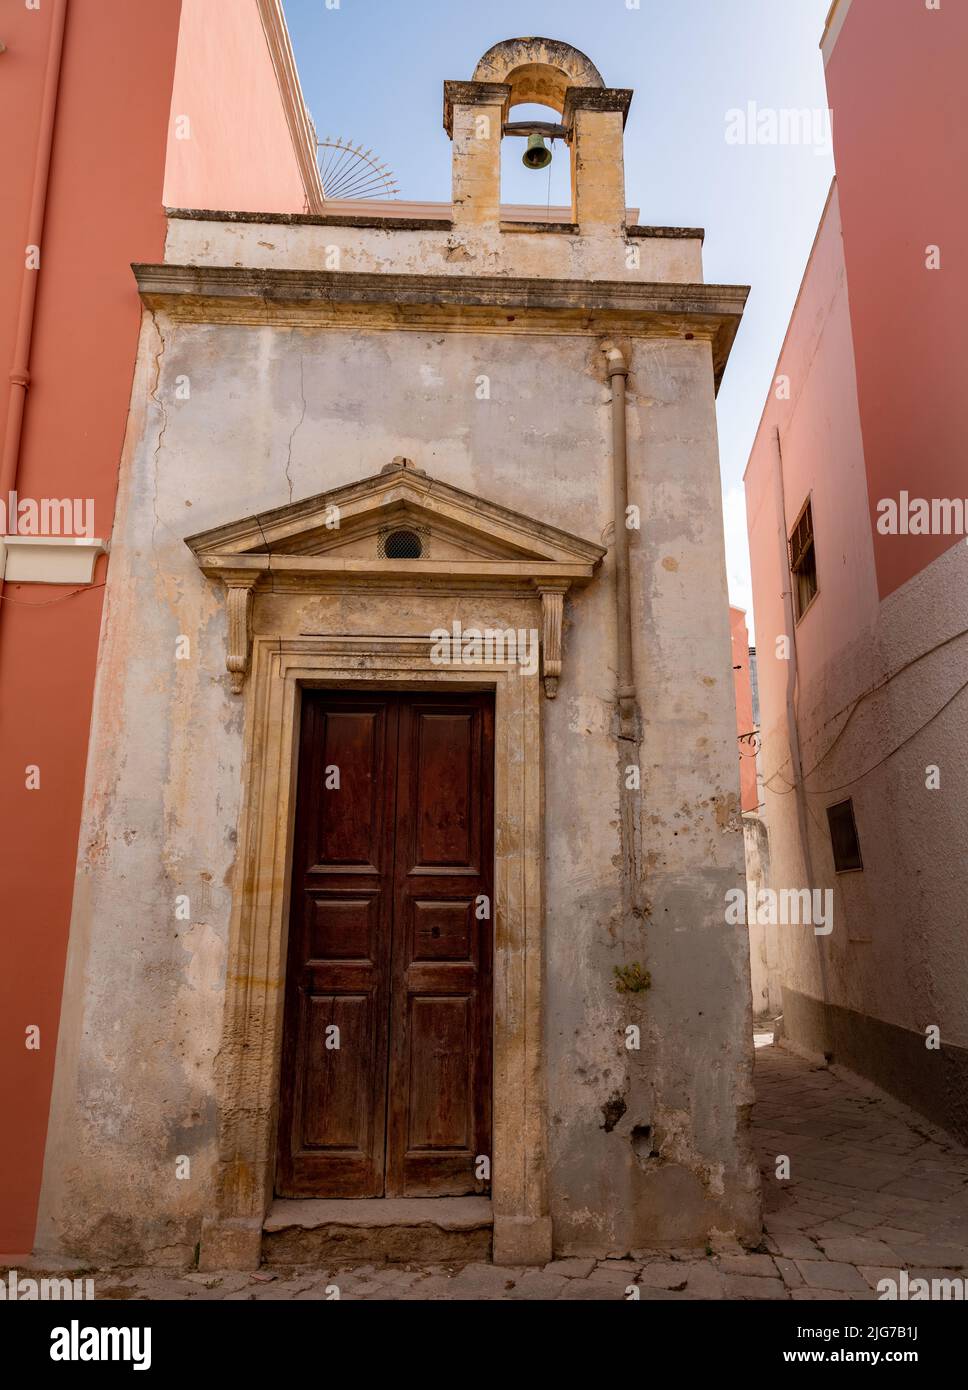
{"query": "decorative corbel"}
(238, 590)
(552, 611)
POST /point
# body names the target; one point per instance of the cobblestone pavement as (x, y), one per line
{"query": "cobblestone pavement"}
(873, 1190)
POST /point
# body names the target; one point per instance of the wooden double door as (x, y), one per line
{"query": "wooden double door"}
(386, 1059)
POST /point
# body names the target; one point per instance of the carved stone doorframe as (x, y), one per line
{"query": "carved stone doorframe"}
(249, 1057)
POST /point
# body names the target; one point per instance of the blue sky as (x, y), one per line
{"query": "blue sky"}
(372, 71)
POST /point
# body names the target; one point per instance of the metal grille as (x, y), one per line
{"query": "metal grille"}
(401, 545)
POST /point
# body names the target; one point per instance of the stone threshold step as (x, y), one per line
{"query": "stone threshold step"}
(449, 1213)
(379, 1229)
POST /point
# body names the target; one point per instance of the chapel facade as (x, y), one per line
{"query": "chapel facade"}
(412, 793)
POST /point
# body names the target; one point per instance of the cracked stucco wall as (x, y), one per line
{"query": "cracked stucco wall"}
(277, 412)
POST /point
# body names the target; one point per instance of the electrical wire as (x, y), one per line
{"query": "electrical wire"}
(880, 685)
(825, 791)
(45, 603)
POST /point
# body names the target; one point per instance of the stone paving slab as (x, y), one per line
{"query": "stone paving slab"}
(873, 1189)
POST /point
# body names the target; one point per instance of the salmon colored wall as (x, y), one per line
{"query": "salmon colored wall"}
(896, 84)
(876, 695)
(103, 211)
(25, 33)
(823, 459)
(240, 153)
(742, 685)
(811, 419)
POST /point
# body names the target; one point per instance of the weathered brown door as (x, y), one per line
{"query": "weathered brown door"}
(386, 1061)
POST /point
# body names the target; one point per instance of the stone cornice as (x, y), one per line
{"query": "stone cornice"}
(388, 300)
(596, 99)
(504, 291)
(474, 94)
(307, 219)
(321, 568)
(673, 233)
(435, 223)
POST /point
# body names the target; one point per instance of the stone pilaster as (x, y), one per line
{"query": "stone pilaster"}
(474, 115)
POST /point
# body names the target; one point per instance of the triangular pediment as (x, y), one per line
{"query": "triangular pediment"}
(345, 537)
(347, 529)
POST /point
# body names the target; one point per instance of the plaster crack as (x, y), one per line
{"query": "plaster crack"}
(163, 411)
(298, 424)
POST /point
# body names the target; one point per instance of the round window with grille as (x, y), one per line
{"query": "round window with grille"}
(402, 545)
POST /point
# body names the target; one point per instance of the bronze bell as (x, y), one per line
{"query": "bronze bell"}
(537, 155)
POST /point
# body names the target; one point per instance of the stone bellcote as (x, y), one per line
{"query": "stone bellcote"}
(548, 73)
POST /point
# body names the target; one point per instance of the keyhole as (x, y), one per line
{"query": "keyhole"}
(435, 931)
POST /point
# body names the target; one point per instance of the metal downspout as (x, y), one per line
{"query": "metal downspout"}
(20, 368)
(625, 689)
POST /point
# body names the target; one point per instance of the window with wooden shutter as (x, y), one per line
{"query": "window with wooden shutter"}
(803, 560)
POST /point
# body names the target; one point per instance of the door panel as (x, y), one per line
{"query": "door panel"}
(331, 1115)
(446, 761)
(391, 942)
(332, 1099)
(440, 1023)
(441, 1075)
(350, 840)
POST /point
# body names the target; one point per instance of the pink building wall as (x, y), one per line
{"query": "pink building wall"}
(896, 84)
(103, 211)
(823, 459)
(239, 154)
(743, 689)
(864, 697)
(111, 139)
